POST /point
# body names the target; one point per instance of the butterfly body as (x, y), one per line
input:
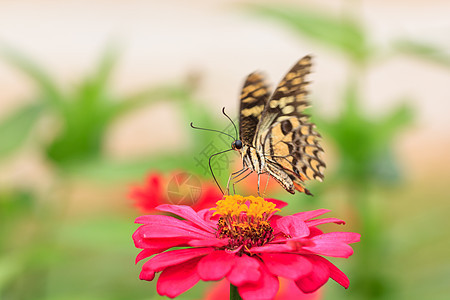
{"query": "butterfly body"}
(276, 137)
(254, 159)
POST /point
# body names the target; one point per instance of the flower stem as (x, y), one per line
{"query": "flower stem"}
(234, 295)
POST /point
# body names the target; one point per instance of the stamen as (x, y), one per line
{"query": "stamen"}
(253, 206)
(244, 221)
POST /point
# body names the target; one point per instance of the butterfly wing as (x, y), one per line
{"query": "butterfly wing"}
(254, 96)
(287, 137)
(293, 146)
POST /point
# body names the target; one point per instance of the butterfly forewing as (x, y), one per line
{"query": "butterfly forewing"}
(254, 96)
(290, 96)
(284, 133)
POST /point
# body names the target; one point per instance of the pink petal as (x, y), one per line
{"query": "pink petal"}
(336, 274)
(244, 270)
(212, 242)
(324, 221)
(273, 223)
(318, 277)
(174, 257)
(306, 215)
(290, 291)
(187, 213)
(205, 214)
(271, 248)
(177, 279)
(215, 265)
(264, 289)
(147, 274)
(314, 231)
(302, 240)
(291, 266)
(345, 237)
(143, 243)
(157, 219)
(279, 204)
(167, 231)
(292, 226)
(330, 248)
(148, 252)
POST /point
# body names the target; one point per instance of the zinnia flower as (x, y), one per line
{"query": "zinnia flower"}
(159, 190)
(244, 241)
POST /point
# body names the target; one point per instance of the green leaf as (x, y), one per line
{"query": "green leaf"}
(11, 265)
(148, 96)
(423, 51)
(363, 142)
(86, 113)
(14, 203)
(16, 127)
(82, 131)
(98, 84)
(398, 118)
(98, 234)
(340, 33)
(51, 92)
(85, 117)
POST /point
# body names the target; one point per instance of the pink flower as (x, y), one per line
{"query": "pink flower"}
(243, 241)
(159, 190)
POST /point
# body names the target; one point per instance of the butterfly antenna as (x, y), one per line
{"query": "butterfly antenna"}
(235, 129)
(212, 172)
(195, 127)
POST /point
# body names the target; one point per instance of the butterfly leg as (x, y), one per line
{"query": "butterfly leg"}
(233, 176)
(241, 179)
(210, 167)
(267, 183)
(265, 188)
(259, 175)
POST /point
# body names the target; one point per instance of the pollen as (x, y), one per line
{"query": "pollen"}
(244, 221)
(252, 206)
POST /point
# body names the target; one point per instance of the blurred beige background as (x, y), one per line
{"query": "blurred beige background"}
(165, 40)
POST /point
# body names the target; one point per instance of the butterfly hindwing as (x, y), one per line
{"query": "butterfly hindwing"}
(294, 146)
(254, 96)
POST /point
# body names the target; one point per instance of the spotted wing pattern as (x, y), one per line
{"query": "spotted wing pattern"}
(289, 98)
(293, 146)
(289, 141)
(254, 96)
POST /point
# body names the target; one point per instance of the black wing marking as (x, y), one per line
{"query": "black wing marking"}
(289, 98)
(254, 96)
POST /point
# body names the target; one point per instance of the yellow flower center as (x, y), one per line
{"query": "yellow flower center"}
(252, 206)
(244, 220)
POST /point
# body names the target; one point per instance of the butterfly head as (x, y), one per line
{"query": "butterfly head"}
(237, 145)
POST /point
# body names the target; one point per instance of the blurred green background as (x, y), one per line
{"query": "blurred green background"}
(94, 95)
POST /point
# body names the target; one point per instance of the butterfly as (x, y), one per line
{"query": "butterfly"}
(276, 137)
